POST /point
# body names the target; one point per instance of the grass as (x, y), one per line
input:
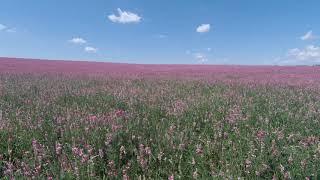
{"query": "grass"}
(67, 127)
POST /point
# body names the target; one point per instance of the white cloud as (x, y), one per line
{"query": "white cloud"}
(11, 30)
(90, 49)
(78, 40)
(200, 57)
(7, 29)
(124, 17)
(310, 52)
(203, 28)
(308, 55)
(308, 36)
(2, 27)
(161, 36)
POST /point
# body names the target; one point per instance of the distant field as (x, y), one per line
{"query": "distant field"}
(68, 120)
(290, 75)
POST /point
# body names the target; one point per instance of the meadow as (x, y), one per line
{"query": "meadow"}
(82, 120)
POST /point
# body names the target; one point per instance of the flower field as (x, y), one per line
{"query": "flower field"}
(82, 120)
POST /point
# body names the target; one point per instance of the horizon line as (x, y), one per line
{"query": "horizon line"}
(156, 64)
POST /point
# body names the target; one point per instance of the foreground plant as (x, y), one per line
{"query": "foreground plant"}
(58, 126)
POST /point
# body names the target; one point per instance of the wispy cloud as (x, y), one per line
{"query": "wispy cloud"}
(81, 41)
(5, 28)
(200, 57)
(124, 17)
(308, 55)
(308, 36)
(77, 40)
(161, 36)
(90, 49)
(203, 28)
(2, 27)
(11, 30)
(310, 52)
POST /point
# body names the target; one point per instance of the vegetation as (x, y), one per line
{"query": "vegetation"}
(96, 127)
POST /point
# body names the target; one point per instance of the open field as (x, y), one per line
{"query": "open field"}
(84, 120)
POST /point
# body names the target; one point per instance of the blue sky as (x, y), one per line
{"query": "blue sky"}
(163, 32)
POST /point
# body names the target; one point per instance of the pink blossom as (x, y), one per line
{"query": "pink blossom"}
(261, 135)
(171, 177)
(92, 118)
(58, 148)
(120, 113)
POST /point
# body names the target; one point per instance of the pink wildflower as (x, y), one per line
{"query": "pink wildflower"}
(171, 177)
(92, 118)
(58, 148)
(261, 135)
(120, 113)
